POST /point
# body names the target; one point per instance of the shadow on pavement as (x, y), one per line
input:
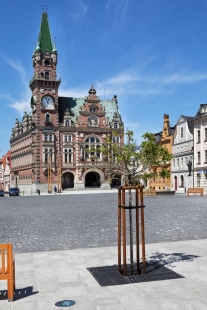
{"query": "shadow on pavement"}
(19, 293)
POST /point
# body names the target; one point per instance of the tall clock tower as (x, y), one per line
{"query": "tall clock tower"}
(44, 84)
(44, 101)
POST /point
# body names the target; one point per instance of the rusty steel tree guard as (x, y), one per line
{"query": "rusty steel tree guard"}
(122, 229)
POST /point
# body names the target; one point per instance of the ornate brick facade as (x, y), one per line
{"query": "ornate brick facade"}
(51, 145)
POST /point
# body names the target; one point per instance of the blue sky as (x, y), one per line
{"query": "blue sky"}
(152, 54)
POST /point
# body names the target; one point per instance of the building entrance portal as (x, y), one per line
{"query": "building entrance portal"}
(67, 180)
(92, 179)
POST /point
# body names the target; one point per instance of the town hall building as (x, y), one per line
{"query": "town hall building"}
(58, 142)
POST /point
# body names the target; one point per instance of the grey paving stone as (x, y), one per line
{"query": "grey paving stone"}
(51, 223)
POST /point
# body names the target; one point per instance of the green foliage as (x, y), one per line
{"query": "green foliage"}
(165, 173)
(133, 161)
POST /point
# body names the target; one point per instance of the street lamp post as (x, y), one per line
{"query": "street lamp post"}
(50, 173)
(59, 173)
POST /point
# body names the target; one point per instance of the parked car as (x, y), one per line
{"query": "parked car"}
(14, 191)
(1, 192)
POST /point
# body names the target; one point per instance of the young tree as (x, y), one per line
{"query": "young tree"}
(132, 161)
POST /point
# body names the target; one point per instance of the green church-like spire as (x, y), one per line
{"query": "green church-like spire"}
(45, 39)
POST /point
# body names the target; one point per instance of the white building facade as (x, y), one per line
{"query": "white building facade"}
(182, 151)
(200, 147)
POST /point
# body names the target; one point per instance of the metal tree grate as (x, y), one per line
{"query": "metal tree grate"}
(109, 275)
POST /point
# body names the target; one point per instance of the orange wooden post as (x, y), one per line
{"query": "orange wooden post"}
(143, 233)
(137, 229)
(119, 230)
(7, 271)
(122, 235)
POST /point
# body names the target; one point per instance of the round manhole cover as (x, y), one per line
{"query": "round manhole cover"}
(65, 303)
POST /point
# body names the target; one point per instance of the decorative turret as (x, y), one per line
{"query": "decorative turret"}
(92, 91)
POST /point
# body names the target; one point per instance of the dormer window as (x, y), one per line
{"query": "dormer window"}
(93, 110)
(116, 125)
(67, 123)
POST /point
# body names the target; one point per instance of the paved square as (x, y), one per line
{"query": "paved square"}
(56, 222)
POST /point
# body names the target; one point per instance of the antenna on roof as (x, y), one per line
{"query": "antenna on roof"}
(104, 92)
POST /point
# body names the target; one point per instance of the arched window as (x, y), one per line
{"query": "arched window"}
(46, 155)
(92, 148)
(47, 118)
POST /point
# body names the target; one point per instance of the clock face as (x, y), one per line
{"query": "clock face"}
(47, 101)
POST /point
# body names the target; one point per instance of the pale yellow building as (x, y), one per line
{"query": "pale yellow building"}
(165, 138)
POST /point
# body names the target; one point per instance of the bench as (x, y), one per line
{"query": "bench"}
(7, 268)
(195, 190)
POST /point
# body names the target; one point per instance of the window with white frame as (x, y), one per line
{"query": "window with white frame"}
(199, 136)
(48, 155)
(48, 137)
(181, 162)
(199, 157)
(174, 163)
(178, 162)
(205, 133)
(205, 156)
(181, 132)
(68, 155)
(67, 138)
(67, 123)
(116, 139)
(116, 125)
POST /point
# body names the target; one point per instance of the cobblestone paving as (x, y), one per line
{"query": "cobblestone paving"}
(43, 223)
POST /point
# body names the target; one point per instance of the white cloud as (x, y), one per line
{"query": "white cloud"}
(131, 126)
(120, 8)
(78, 10)
(23, 103)
(18, 67)
(133, 82)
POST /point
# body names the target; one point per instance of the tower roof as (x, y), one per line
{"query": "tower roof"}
(45, 39)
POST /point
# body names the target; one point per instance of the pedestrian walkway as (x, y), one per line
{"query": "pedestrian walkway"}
(44, 278)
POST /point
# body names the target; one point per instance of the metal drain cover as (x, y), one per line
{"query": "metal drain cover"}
(65, 303)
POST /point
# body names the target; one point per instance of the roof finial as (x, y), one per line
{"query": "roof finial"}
(46, 8)
(43, 8)
(54, 46)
